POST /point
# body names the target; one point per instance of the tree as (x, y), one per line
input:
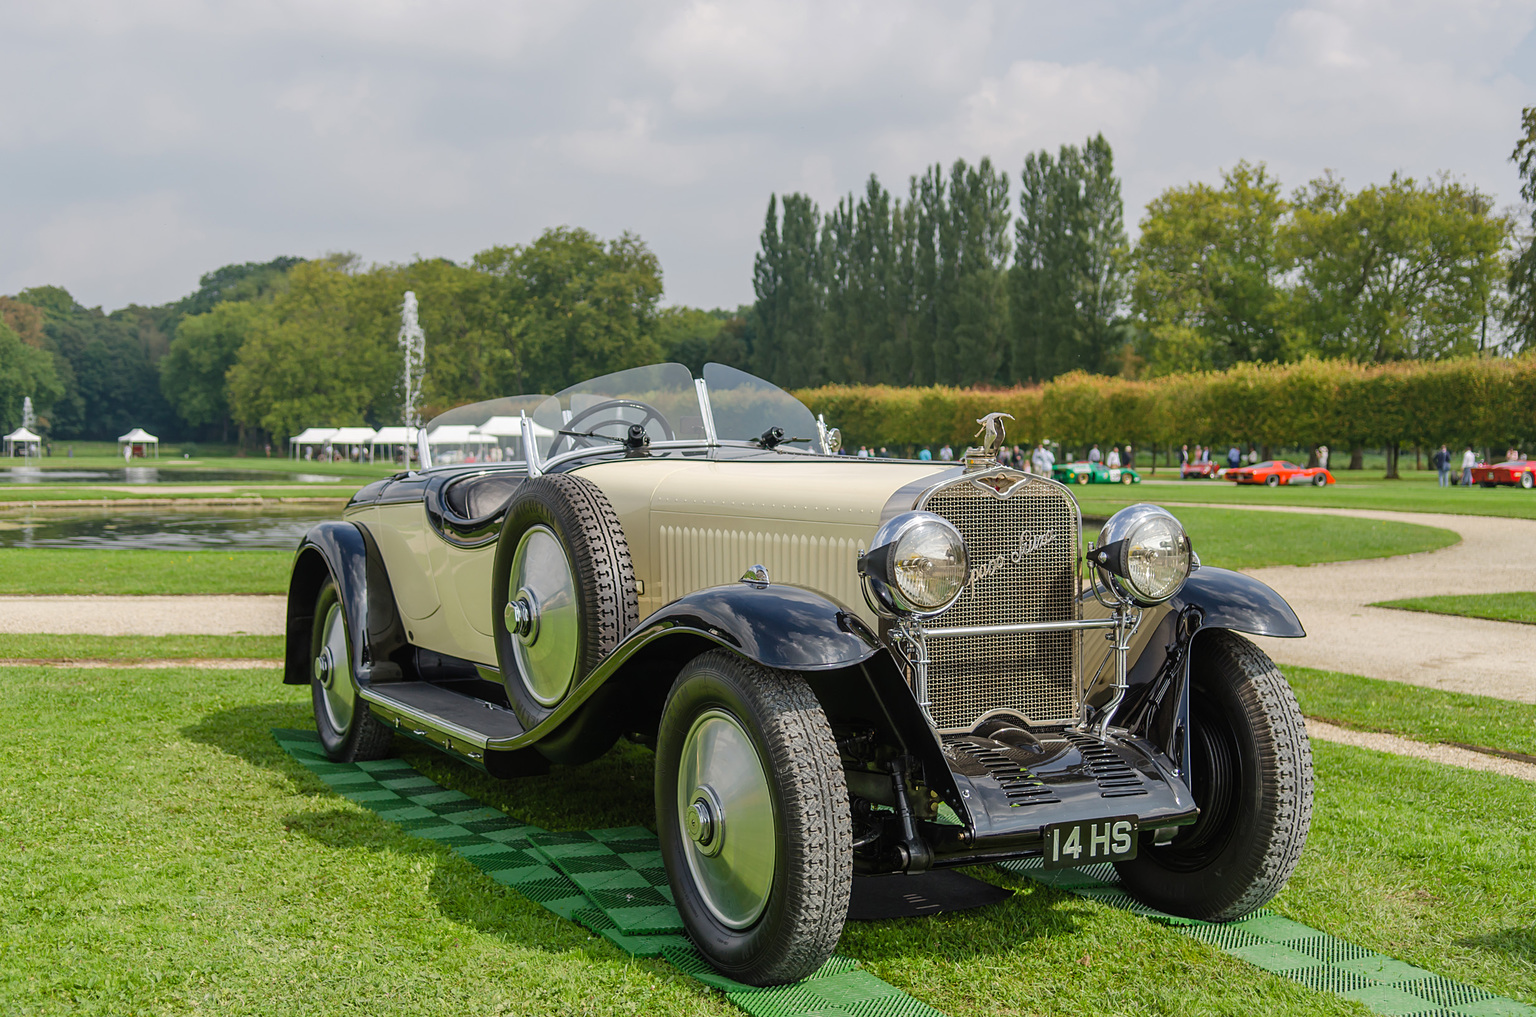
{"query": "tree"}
(790, 290)
(1520, 315)
(1397, 271)
(1067, 281)
(977, 275)
(193, 372)
(25, 371)
(1208, 267)
(248, 281)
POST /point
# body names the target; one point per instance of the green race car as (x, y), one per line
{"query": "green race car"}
(1093, 473)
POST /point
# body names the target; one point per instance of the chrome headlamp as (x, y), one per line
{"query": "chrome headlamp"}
(917, 564)
(1143, 554)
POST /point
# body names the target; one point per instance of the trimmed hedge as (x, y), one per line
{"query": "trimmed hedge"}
(1483, 402)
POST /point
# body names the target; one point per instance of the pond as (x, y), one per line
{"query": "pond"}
(224, 529)
(155, 475)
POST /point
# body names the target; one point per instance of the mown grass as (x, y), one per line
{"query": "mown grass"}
(1417, 493)
(164, 855)
(173, 462)
(1411, 711)
(76, 647)
(1512, 607)
(53, 571)
(90, 495)
(1235, 539)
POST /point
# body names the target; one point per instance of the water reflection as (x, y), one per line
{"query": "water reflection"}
(156, 475)
(170, 531)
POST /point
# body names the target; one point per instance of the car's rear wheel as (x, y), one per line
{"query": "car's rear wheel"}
(1527, 480)
(1127, 478)
(753, 817)
(1250, 770)
(1082, 478)
(1273, 480)
(562, 591)
(348, 731)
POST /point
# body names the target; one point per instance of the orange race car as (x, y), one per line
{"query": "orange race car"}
(1275, 472)
(1515, 471)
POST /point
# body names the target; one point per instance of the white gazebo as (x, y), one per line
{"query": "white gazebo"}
(138, 442)
(350, 438)
(17, 441)
(460, 442)
(311, 436)
(392, 438)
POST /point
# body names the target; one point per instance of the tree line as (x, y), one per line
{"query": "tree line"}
(1485, 402)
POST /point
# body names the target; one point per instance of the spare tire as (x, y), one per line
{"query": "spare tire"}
(562, 591)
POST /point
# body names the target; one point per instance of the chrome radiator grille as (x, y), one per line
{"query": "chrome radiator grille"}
(1023, 554)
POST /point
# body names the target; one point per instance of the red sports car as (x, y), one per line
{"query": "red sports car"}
(1200, 471)
(1276, 472)
(1515, 471)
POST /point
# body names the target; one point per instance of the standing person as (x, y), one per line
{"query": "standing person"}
(1184, 455)
(924, 454)
(946, 453)
(1442, 461)
(1322, 456)
(1129, 461)
(1234, 458)
(1468, 460)
(1094, 456)
(1112, 461)
(863, 452)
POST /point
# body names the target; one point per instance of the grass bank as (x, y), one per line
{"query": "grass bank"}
(66, 571)
(1235, 539)
(77, 647)
(1414, 494)
(1512, 607)
(175, 859)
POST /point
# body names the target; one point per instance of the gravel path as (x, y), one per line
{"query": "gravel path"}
(1488, 658)
(1447, 754)
(144, 616)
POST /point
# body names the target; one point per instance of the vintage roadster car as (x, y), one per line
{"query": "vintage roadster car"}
(843, 665)
(1274, 472)
(1086, 472)
(1202, 470)
(1512, 472)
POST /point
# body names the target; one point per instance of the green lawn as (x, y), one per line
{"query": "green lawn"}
(59, 571)
(172, 462)
(1513, 607)
(338, 492)
(1236, 539)
(53, 647)
(164, 855)
(1426, 715)
(1418, 492)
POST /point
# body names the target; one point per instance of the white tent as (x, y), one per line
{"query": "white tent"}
(508, 432)
(22, 437)
(309, 436)
(392, 438)
(351, 437)
(140, 440)
(465, 443)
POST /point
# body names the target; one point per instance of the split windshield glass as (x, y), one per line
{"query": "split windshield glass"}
(660, 398)
(744, 406)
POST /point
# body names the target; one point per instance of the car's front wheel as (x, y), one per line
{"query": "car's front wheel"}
(1250, 770)
(1320, 480)
(1527, 480)
(1127, 478)
(752, 813)
(348, 731)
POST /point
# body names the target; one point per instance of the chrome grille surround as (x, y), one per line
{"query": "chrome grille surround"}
(1022, 533)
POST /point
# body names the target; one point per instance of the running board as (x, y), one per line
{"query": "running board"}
(459, 723)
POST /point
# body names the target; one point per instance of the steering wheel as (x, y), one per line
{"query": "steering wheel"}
(584, 421)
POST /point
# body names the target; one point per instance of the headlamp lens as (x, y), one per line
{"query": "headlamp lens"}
(928, 564)
(1158, 558)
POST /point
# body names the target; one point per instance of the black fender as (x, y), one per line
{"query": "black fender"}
(346, 552)
(1157, 704)
(788, 628)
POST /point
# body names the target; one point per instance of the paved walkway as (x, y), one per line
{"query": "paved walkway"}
(144, 616)
(1488, 658)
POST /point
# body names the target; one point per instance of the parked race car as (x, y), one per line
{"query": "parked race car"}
(1275, 472)
(1521, 472)
(843, 665)
(1201, 471)
(1093, 473)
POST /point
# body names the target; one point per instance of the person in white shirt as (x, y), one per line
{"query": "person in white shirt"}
(1468, 460)
(946, 453)
(1113, 459)
(1094, 456)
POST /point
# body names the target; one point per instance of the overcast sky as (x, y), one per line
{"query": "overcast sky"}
(144, 143)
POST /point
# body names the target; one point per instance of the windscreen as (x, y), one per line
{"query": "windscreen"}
(483, 432)
(598, 413)
(745, 406)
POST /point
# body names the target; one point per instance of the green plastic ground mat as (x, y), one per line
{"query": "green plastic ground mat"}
(1301, 953)
(610, 881)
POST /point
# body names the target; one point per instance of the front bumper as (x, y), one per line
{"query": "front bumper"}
(1014, 783)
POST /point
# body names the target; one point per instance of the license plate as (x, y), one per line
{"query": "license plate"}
(1090, 841)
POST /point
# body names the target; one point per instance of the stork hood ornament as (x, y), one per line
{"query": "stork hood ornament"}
(992, 435)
